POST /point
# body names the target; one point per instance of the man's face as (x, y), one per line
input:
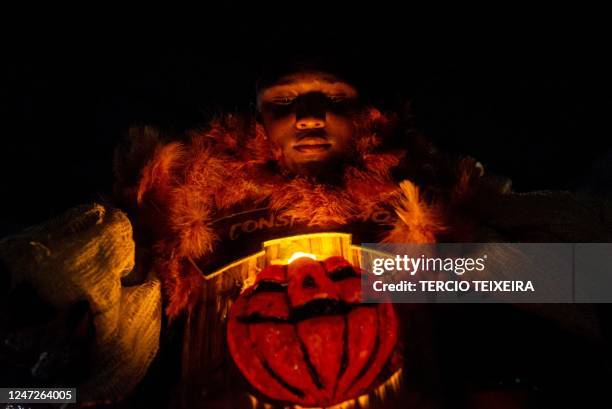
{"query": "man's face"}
(309, 120)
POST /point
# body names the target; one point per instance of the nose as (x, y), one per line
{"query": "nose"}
(309, 123)
(310, 112)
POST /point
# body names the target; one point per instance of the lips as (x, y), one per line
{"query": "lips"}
(312, 144)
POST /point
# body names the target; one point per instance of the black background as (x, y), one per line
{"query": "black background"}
(524, 97)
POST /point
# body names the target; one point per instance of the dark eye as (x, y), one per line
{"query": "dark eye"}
(283, 100)
(337, 98)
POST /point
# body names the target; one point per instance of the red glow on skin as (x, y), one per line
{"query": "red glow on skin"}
(309, 120)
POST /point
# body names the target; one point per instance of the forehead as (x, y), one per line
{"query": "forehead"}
(305, 82)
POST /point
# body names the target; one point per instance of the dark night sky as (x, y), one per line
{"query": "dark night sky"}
(527, 105)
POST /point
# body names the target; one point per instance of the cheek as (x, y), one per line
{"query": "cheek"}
(278, 129)
(342, 127)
